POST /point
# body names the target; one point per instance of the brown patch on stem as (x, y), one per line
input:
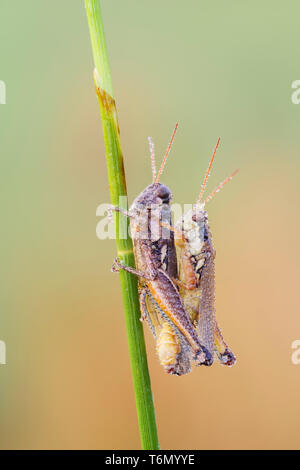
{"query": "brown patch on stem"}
(108, 106)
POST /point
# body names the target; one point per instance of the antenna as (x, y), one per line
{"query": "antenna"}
(207, 172)
(166, 155)
(218, 188)
(153, 165)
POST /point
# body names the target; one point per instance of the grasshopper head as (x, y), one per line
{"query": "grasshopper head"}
(198, 214)
(193, 225)
(154, 196)
(151, 206)
(192, 219)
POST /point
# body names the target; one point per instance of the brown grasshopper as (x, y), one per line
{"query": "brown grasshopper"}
(197, 273)
(156, 266)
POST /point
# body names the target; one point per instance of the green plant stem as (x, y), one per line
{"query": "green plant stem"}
(117, 186)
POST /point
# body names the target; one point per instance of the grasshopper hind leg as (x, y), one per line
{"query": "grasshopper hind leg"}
(227, 358)
(224, 353)
(204, 358)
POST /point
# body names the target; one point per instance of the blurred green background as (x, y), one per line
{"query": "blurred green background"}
(219, 68)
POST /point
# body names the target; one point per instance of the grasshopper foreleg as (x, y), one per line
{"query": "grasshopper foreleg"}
(117, 265)
(142, 297)
(118, 209)
(182, 284)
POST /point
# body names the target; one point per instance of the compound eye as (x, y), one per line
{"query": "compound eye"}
(164, 193)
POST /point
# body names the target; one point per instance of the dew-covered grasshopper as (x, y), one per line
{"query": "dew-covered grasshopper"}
(197, 273)
(156, 267)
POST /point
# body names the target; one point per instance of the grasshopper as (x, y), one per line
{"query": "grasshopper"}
(197, 273)
(177, 340)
